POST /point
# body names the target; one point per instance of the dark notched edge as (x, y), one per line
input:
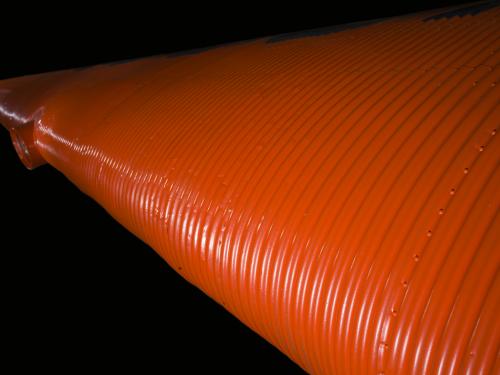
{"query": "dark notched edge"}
(462, 11)
(468, 10)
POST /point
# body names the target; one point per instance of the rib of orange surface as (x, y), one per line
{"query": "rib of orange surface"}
(337, 192)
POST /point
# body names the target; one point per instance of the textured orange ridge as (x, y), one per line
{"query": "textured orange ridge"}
(337, 191)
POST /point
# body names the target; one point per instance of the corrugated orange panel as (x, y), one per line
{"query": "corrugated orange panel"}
(337, 190)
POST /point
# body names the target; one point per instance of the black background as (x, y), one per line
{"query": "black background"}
(78, 290)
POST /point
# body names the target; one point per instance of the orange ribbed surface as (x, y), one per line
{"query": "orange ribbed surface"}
(338, 193)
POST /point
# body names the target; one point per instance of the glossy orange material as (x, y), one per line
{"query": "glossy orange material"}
(337, 191)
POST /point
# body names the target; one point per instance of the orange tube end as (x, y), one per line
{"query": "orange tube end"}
(24, 144)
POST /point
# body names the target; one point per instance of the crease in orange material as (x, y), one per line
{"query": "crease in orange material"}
(336, 190)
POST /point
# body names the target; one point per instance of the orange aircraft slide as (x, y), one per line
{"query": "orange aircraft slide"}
(337, 190)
